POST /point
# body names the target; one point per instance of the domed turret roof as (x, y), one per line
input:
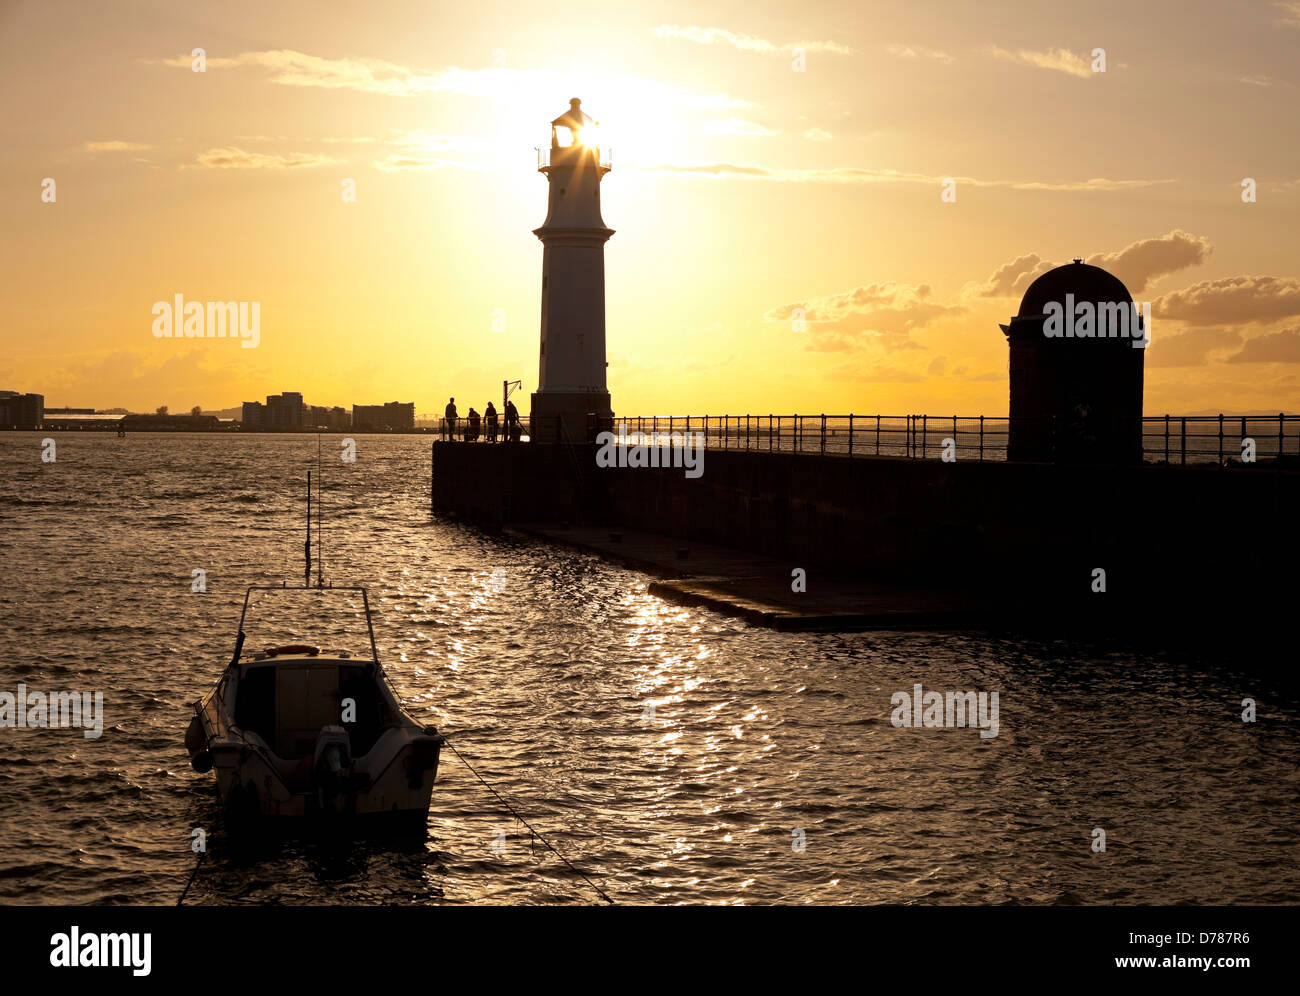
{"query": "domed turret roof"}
(1085, 281)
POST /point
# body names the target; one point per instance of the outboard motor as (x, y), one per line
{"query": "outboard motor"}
(332, 768)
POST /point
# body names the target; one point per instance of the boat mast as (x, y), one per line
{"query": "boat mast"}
(306, 547)
(320, 480)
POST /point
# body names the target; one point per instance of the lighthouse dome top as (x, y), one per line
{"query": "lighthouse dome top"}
(574, 118)
(1083, 280)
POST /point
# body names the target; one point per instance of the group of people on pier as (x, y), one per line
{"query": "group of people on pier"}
(487, 423)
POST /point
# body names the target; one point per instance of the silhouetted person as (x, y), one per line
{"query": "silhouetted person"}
(490, 417)
(512, 423)
(449, 422)
(471, 425)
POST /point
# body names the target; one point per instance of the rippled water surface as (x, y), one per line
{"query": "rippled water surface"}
(544, 687)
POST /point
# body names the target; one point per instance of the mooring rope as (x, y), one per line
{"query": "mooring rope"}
(514, 812)
(193, 875)
(600, 892)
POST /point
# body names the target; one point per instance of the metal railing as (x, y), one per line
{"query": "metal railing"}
(462, 430)
(604, 156)
(1170, 439)
(1176, 439)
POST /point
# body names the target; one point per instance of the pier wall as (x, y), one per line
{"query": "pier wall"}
(516, 482)
(1149, 527)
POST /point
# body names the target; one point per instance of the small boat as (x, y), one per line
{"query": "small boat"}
(292, 732)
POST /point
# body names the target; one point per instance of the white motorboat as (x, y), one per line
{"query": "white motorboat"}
(294, 733)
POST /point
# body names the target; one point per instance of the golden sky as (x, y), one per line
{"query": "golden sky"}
(766, 157)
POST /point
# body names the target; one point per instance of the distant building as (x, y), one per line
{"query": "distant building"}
(335, 419)
(285, 412)
(288, 413)
(21, 411)
(395, 416)
(173, 423)
(80, 420)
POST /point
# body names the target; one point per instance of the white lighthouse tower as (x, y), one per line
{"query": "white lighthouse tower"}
(571, 378)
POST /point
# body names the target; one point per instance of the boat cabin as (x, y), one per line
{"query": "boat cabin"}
(286, 701)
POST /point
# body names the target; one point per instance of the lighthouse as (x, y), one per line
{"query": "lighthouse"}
(571, 395)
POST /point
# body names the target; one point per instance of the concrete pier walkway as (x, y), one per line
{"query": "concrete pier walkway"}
(758, 588)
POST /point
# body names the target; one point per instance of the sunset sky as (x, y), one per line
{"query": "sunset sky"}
(741, 189)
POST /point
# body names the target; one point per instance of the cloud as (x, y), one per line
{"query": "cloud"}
(426, 140)
(1273, 347)
(857, 174)
(423, 150)
(879, 314)
(233, 158)
(746, 43)
(1137, 265)
(1258, 79)
(333, 140)
(114, 145)
(508, 86)
(1141, 263)
(291, 68)
(1011, 279)
(396, 162)
(1231, 301)
(818, 135)
(734, 126)
(1290, 13)
(1191, 348)
(918, 51)
(1059, 59)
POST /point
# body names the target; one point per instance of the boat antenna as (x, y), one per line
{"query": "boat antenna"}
(320, 521)
(306, 547)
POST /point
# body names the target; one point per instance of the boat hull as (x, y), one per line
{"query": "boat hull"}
(250, 786)
(313, 740)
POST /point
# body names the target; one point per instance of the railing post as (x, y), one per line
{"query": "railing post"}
(850, 434)
(925, 427)
(823, 433)
(1220, 437)
(796, 432)
(877, 435)
(1166, 437)
(1182, 446)
(982, 438)
(769, 432)
(1281, 421)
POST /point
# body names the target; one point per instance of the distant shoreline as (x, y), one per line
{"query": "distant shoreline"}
(113, 427)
